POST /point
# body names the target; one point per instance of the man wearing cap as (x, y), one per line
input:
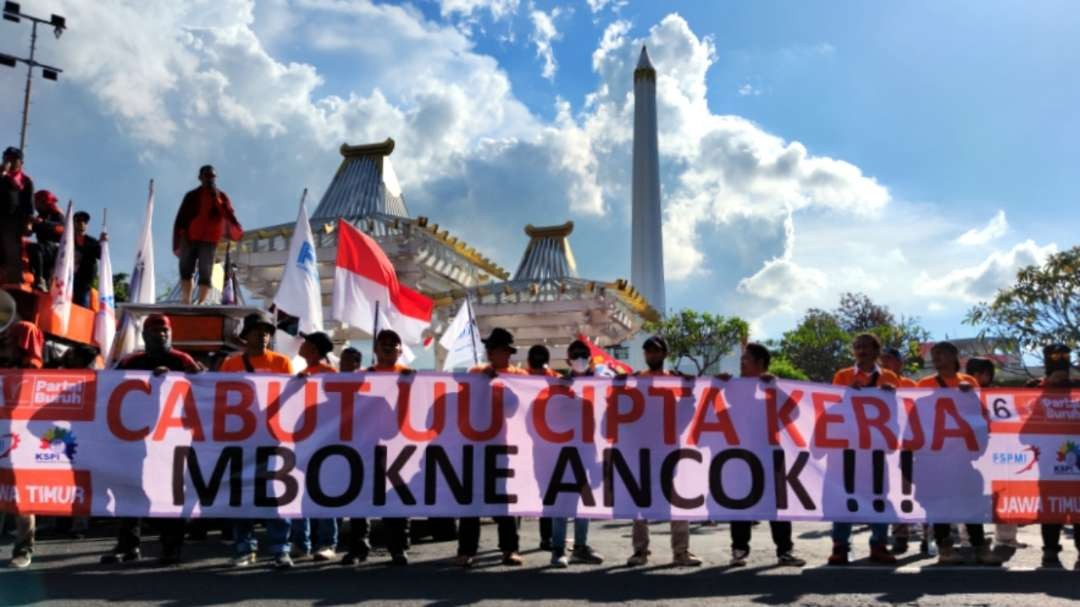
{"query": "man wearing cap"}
(351, 360)
(87, 254)
(158, 357)
(16, 209)
(537, 359)
(387, 354)
(48, 229)
(499, 347)
(656, 351)
(257, 357)
(205, 217)
(580, 360)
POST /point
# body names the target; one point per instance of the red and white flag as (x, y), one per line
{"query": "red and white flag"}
(605, 364)
(364, 279)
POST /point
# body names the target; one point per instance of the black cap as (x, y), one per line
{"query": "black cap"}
(257, 319)
(321, 341)
(388, 334)
(655, 342)
(81, 216)
(499, 338)
(13, 152)
(893, 352)
(1056, 348)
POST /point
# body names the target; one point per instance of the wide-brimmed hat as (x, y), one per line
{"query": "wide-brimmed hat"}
(255, 320)
(499, 338)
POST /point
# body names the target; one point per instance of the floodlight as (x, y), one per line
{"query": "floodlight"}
(7, 60)
(48, 74)
(11, 11)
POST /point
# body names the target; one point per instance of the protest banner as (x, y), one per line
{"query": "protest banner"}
(122, 443)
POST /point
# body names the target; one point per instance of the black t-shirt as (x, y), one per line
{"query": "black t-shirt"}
(173, 360)
(86, 258)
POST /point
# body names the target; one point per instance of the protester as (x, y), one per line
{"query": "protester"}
(945, 357)
(580, 361)
(87, 254)
(21, 347)
(893, 360)
(257, 357)
(866, 373)
(499, 347)
(315, 349)
(48, 230)
(656, 352)
(537, 360)
(387, 353)
(351, 360)
(16, 209)
(160, 358)
(205, 217)
(1057, 363)
(754, 363)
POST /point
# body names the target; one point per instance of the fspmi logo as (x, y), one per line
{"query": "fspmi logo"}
(1068, 458)
(8, 443)
(1024, 460)
(58, 446)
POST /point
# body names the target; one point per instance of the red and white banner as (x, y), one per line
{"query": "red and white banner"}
(433, 444)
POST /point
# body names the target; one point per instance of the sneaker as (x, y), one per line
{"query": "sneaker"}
(114, 558)
(21, 561)
(638, 559)
(283, 561)
(298, 553)
(839, 555)
(738, 557)
(585, 555)
(900, 545)
(512, 559)
(244, 560)
(400, 559)
(1051, 560)
(881, 554)
(326, 554)
(788, 559)
(985, 556)
(463, 560)
(950, 556)
(686, 559)
(559, 561)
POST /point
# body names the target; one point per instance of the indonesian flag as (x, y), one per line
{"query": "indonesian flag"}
(366, 284)
(605, 364)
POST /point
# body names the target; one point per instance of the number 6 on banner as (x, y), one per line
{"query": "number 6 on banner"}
(1002, 407)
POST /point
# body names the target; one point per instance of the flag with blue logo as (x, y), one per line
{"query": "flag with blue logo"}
(299, 293)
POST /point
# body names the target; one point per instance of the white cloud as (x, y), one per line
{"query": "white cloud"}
(468, 8)
(982, 281)
(995, 228)
(598, 5)
(781, 282)
(544, 33)
(748, 89)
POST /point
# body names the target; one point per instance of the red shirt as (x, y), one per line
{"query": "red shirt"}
(208, 224)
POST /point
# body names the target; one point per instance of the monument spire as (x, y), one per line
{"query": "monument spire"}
(647, 245)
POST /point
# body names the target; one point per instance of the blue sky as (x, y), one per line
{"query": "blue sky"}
(916, 151)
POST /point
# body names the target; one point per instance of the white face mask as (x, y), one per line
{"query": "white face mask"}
(579, 365)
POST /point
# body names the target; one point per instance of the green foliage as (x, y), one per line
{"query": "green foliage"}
(121, 287)
(1041, 307)
(785, 369)
(700, 337)
(818, 345)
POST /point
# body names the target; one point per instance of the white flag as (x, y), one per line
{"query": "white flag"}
(105, 320)
(461, 340)
(298, 292)
(63, 282)
(141, 289)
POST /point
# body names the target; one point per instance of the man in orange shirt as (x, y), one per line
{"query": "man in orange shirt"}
(656, 352)
(945, 357)
(499, 347)
(866, 373)
(205, 217)
(258, 358)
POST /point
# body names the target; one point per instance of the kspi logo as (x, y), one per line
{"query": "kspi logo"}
(58, 445)
(1068, 458)
(8, 443)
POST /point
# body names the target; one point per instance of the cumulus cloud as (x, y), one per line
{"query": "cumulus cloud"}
(781, 281)
(748, 90)
(543, 34)
(598, 5)
(468, 8)
(995, 228)
(982, 281)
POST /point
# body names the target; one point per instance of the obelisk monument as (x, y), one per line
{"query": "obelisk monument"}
(647, 244)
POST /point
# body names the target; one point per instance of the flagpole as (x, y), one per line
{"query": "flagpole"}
(472, 327)
(375, 326)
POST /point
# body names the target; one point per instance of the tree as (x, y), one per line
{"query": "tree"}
(818, 345)
(1041, 307)
(700, 337)
(858, 314)
(783, 368)
(121, 287)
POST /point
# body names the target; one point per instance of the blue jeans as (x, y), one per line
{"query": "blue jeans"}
(558, 534)
(244, 541)
(879, 534)
(326, 533)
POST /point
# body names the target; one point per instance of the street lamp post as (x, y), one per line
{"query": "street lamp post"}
(13, 13)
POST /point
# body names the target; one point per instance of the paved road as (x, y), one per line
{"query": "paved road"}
(66, 572)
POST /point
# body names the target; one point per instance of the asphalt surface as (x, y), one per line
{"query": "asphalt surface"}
(66, 572)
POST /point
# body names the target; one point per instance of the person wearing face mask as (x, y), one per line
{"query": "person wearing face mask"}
(579, 358)
(656, 352)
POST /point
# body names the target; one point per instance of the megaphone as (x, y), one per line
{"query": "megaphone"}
(8, 312)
